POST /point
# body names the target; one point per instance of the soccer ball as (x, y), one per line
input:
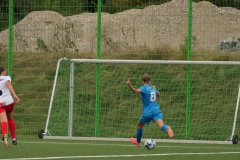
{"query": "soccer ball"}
(150, 144)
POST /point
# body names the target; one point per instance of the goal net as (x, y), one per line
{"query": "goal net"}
(90, 98)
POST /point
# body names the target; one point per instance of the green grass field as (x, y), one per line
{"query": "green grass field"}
(34, 148)
(33, 117)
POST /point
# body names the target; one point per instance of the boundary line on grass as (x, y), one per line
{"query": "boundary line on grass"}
(116, 156)
(105, 144)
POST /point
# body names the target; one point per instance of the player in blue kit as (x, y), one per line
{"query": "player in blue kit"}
(150, 109)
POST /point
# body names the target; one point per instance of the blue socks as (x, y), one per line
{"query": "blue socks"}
(164, 128)
(139, 134)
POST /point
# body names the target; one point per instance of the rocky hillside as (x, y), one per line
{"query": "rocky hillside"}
(151, 27)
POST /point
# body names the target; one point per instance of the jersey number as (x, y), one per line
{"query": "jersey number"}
(153, 96)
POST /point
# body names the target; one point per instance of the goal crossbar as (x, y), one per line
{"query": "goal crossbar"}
(156, 62)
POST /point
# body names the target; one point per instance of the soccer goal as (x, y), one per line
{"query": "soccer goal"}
(90, 99)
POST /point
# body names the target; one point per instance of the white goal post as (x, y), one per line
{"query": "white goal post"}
(187, 86)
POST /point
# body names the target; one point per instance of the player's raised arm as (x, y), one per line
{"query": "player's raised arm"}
(131, 87)
(158, 94)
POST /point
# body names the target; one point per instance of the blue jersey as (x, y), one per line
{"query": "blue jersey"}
(149, 96)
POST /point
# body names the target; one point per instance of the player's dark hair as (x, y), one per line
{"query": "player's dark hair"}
(2, 69)
(146, 78)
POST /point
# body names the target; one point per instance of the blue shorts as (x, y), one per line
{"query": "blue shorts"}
(151, 116)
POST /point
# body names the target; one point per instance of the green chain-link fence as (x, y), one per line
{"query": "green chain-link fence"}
(35, 34)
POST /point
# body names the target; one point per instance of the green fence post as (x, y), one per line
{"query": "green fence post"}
(189, 69)
(98, 69)
(10, 38)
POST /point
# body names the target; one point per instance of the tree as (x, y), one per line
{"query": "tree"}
(90, 6)
(72, 7)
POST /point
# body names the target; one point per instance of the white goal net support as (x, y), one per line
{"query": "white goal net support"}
(90, 99)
